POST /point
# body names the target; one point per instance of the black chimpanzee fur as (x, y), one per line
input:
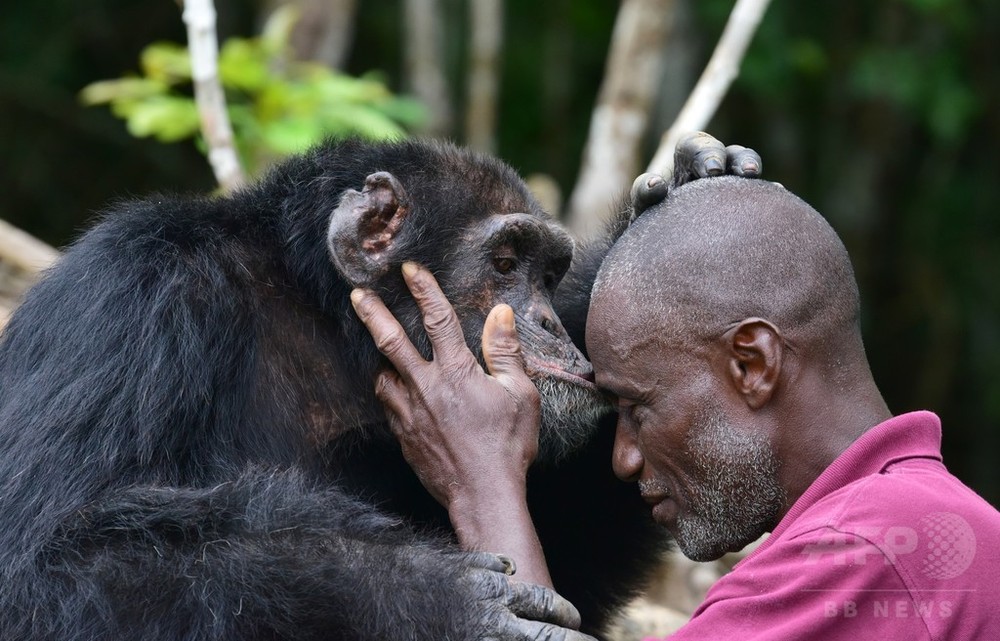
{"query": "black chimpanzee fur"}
(168, 469)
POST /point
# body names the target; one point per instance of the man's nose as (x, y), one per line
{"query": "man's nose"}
(626, 460)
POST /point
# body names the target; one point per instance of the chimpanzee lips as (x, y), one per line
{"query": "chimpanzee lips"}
(581, 376)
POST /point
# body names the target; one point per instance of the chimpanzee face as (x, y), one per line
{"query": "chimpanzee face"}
(498, 247)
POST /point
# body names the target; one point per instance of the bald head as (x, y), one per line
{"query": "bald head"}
(722, 250)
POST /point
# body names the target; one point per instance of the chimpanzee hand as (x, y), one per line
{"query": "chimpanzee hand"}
(698, 155)
(513, 611)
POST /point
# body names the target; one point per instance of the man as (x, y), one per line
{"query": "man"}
(724, 324)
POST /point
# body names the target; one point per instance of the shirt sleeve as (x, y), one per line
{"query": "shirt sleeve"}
(822, 584)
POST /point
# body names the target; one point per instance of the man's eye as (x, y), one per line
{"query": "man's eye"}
(504, 265)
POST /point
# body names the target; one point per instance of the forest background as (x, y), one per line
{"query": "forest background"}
(883, 115)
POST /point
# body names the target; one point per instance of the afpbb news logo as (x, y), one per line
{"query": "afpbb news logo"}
(944, 542)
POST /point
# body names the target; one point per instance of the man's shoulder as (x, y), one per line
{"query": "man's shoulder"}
(909, 493)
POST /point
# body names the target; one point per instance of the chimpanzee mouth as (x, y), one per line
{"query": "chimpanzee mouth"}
(536, 368)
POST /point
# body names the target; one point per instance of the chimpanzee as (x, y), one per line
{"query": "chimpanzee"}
(190, 447)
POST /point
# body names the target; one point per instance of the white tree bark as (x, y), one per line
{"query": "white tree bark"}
(426, 79)
(24, 251)
(324, 32)
(719, 74)
(22, 258)
(199, 17)
(485, 42)
(621, 117)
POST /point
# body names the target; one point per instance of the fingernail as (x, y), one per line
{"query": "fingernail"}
(410, 269)
(505, 317)
(714, 166)
(357, 297)
(750, 167)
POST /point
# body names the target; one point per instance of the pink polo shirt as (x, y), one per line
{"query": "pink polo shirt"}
(885, 544)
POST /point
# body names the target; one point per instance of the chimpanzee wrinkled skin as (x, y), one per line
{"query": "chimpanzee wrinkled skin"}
(190, 447)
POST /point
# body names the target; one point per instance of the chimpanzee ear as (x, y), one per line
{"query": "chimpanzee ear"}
(362, 238)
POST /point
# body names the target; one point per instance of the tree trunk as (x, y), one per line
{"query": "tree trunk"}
(621, 117)
(425, 74)
(484, 74)
(324, 32)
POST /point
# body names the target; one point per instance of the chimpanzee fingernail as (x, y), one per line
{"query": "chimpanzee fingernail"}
(410, 269)
(509, 566)
(714, 166)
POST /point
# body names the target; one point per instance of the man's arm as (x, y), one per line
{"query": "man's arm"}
(470, 435)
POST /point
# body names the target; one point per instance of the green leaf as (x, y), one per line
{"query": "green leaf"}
(168, 62)
(104, 91)
(167, 118)
(292, 135)
(243, 65)
(360, 120)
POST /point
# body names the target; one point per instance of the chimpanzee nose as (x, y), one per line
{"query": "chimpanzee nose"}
(550, 325)
(546, 318)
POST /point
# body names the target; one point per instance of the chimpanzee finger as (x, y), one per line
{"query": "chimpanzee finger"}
(647, 190)
(493, 562)
(539, 603)
(440, 321)
(389, 336)
(742, 161)
(698, 155)
(527, 630)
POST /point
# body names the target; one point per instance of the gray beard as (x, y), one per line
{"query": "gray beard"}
(738, 497)
(569, 418)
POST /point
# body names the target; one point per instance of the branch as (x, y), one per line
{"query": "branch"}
(22, 257)
(722, 69)
(24, 251)
(424, 62)
(199, 17)
(484, 70)
(621, 116)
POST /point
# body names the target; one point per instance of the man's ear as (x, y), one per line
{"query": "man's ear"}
(362, 238)
(755, 349)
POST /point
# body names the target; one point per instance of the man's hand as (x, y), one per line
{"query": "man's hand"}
(698, 155)
(469, 435)
(462, 430)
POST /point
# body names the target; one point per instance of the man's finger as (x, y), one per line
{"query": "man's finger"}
(530, 601)
(743, 161)
(440, 321)
(389, 336)
(501, 347)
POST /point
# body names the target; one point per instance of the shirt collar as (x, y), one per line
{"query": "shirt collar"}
(911, 435)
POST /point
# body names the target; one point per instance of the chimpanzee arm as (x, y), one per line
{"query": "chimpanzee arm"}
(139, 438)
(268, 555)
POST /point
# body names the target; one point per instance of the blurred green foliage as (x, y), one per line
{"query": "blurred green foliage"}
(277, 105)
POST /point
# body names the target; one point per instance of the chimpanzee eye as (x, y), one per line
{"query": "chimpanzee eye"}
(504, 264)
